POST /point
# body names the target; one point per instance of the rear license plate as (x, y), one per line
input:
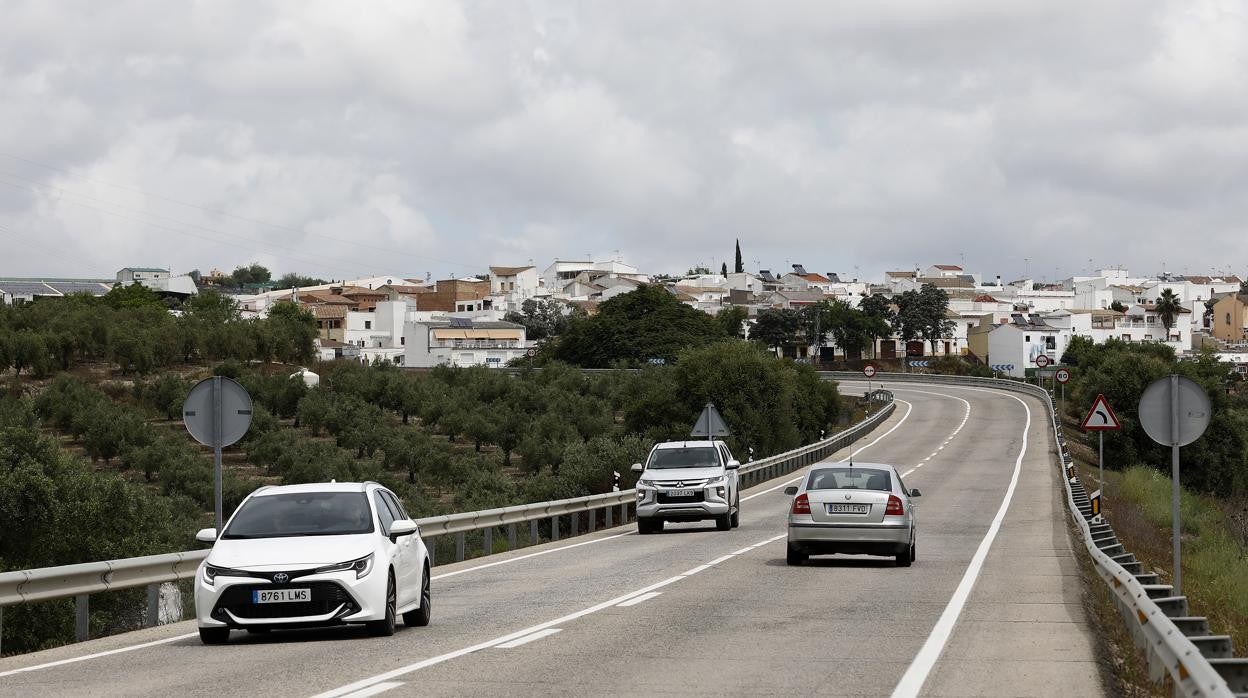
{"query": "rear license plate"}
(680, 493)
(281, 595)
(849, 508)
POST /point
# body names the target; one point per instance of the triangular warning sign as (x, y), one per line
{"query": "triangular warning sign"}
(1101, 417)
(710, 424)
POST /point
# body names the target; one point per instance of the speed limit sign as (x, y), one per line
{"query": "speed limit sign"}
(1042, 360)
(1062, 376)
(868, 371)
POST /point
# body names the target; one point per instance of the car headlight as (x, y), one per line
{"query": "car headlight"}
(715, 480)
(211, 572)
(362, 566)
(645, 483)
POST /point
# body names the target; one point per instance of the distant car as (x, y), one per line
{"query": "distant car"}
(852, 508)
(688, 481)
(313, 555)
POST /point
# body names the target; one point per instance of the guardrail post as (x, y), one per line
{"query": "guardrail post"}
(534, 536)
(511, 536)
(1, 631)
(576, 522)
(554, 528)
(459, 547)
(82, 617)
(433, 549)
(624, 513)
(609, 510)
(153, 606)
(593, 520)
(487, 542)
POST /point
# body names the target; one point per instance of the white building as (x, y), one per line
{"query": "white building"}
(562, 272)
(462, 342)
(510, 287)
(142, 275)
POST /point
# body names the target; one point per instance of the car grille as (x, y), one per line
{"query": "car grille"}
(326, 596)
(665, 498)
(680, 484)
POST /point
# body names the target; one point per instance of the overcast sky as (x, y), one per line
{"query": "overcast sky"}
(343, 139)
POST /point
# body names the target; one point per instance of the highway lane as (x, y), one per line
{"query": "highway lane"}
(756, 604)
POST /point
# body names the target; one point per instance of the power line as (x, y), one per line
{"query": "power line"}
(225, 214)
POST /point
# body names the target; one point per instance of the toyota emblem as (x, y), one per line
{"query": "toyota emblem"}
(281, 578)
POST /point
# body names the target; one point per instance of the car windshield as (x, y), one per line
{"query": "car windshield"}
(687, 457)
(850, 479)
(302, 514)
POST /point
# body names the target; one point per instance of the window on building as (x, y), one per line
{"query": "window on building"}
(1027, 338)
(368, 324)
(402, 341)
(1228, 318)
(1050, 343)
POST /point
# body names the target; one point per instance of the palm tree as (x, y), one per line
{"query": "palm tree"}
(1167, 307)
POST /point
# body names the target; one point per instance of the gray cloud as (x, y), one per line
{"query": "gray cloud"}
(441, 137)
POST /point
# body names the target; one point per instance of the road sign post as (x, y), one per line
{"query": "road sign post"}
(1101, 418)
(217, 413)
(1174, 412)
(1042, 361)
(1062, 376)
(869, 372)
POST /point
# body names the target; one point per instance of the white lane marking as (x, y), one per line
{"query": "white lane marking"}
(638, 599)
(528, 556)
(718, 560)
(743, 551)
(85, 657)
(912, 681)
(347, 690)
(374, 690)
(528, 638)
(909, 409)
(695, 570)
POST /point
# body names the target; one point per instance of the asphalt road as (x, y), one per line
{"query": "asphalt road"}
(987, 609)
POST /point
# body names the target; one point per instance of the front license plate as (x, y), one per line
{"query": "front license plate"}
(680, 493)
(281, 595)
(849, 508)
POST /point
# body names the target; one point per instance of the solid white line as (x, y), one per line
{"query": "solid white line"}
(744, 550)
(374, 690)
(912, 681)
(695, 570)
(638, 599)
(909, 409)
(528, 638)
(530, 555)
(718, 560)
(85, 657)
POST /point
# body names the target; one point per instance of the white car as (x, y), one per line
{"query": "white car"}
(688, 481)
(312, 555)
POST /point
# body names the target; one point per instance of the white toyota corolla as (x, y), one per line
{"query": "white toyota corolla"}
(312, 555)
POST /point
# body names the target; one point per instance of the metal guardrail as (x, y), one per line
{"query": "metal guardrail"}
(82, 580)
(1200, 664)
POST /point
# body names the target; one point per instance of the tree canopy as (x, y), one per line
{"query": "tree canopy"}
(632, 328)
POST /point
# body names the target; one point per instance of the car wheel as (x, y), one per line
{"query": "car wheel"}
(419, 618)
(214, 636)
(648, 526)
(385, 626)
(905, 556)
(736, 514)
(723, 522)
(795, 556)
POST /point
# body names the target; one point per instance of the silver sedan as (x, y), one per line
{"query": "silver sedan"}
(852, 508)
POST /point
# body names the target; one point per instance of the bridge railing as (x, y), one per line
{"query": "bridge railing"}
(1199, 664)
(474, 533)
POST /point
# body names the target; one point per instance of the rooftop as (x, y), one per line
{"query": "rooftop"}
(508, 271)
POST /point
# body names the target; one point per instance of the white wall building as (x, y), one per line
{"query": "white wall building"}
(510, 287)
(463, 342)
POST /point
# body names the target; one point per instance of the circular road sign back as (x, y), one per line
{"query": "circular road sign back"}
(868, 371)
(1157, 413)
(1042, 360)
(1062, 376)
(197, 411)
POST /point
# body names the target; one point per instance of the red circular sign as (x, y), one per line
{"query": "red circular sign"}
(1042, 360)
(868, 371)
(1062, 376)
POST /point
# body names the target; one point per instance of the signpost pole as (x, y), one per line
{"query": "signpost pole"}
(216, 448)
(1174, 482)
(1101, 450)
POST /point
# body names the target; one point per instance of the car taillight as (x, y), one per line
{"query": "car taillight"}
(894, 506)
(801, 504)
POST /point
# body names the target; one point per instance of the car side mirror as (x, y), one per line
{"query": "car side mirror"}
(636, 468)
(791, 490)
(206, 535)
(733, 464)
(402, 527)
(915, 493)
